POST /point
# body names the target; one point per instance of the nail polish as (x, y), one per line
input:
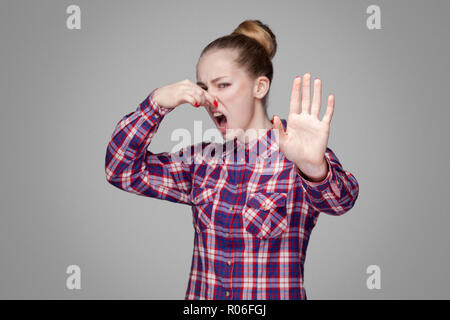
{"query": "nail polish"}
(196, 104)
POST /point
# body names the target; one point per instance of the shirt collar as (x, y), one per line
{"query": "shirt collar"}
(263, 146)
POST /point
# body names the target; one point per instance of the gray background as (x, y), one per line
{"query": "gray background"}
(63, 91)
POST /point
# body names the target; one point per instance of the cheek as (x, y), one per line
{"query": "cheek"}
(245, 103)
(240, 103)
(237, 92)
(231, 94)
(241, 98)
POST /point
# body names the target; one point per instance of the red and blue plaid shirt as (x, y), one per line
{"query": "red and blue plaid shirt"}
(252, 215)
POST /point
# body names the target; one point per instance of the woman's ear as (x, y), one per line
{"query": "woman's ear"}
(262, 85)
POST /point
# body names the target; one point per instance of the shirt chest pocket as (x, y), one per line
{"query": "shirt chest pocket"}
(265, 214)
(203, 201)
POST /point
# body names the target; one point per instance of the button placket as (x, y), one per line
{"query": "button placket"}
(231, 209)
(229, 260)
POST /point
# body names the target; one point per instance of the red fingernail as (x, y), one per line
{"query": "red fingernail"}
(196, 104)
(215, 103)
(273, 119)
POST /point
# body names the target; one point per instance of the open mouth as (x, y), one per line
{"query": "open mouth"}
(221, 120)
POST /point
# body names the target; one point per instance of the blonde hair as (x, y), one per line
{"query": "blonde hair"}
(256, 46)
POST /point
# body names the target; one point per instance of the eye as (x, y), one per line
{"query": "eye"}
(206, 89)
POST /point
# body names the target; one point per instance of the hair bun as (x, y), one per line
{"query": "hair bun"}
(261, 32)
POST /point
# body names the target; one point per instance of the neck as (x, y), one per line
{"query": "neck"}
(257, 127)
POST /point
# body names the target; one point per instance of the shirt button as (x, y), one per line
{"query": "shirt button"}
(229, 262)
(226, 234)
(227, 293)
(231, 208)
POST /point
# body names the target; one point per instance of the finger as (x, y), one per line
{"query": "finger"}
(306, 92)
(205, 99)
(201, 99)
(315, 106)
(190, 99)
(330, 109)
(209, 99)
(193, 95)
(198, 96)
(295, 96)
(197, 93)
(279, 130)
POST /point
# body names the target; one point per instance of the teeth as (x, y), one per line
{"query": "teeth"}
(216, 114)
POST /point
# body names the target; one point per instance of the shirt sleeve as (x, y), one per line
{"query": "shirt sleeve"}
(336, 193)
(129, 166)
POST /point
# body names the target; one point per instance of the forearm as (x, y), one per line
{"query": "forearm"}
(131, 137)
(336, 193)
(131, 167)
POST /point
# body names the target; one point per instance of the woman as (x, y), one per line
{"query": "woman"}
(253, 211)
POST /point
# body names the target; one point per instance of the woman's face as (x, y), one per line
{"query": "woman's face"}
(233, 89)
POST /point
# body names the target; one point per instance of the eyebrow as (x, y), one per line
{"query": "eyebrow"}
(213, 80)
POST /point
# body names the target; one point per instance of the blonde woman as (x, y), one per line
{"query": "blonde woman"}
(255, 198)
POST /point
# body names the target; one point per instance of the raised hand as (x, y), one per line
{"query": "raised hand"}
(306, 137)
(185, 91)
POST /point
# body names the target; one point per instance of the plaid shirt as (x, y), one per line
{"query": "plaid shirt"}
(252, 215)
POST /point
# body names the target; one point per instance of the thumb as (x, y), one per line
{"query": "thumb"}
(279, 132)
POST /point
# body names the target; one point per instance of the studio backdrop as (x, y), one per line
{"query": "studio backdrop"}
(71, 70)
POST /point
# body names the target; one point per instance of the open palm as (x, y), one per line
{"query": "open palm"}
(305, 139)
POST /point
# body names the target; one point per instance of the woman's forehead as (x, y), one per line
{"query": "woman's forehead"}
(214, 67)
(216, 61)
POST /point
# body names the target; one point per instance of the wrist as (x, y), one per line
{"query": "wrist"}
(314, 173)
